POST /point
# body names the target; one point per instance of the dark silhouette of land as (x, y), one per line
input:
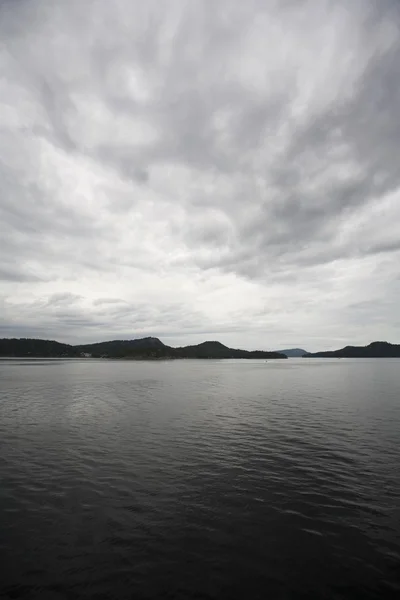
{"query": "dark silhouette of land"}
(374, 350)
(153, 348)
(293, 352)
(145, 348)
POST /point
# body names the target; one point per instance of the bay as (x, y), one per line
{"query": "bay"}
(200, 479)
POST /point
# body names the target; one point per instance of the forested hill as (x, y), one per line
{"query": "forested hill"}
(33, 347)
(149, 347)
(374, 350)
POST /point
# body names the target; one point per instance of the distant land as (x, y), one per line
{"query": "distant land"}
(293, 352)
(139, 349)
(374, 350)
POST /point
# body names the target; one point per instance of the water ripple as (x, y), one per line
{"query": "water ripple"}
(216, 479)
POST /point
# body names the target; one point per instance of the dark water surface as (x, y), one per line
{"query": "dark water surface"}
(200, 479)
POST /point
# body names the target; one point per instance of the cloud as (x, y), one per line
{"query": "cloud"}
(190, 169)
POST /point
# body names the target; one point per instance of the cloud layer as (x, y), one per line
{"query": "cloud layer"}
(200, 170)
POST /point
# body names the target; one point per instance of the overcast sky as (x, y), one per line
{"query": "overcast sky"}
(200, 170)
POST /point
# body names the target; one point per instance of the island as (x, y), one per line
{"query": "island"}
(149, 348)
(373, 350)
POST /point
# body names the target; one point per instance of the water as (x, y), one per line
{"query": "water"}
(200, 479)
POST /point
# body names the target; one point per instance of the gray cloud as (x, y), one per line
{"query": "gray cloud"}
(183, 169)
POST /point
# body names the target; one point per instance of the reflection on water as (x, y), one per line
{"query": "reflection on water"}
(200, 479)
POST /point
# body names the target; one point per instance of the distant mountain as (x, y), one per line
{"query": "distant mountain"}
(119, 348)
(145, 348)
(293, 352)
(218, 350)
(374, 350)
(32, 347)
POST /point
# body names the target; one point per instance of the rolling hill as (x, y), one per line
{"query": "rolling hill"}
(144, 348)
(373, 350)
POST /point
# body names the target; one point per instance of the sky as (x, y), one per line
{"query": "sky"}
(200, 171)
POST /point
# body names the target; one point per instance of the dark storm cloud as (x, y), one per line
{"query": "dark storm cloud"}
(367, 125)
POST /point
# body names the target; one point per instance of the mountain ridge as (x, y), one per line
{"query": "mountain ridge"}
(372, 350)
(140, 348)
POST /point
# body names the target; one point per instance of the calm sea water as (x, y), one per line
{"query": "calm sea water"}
(200, 479)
